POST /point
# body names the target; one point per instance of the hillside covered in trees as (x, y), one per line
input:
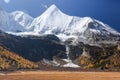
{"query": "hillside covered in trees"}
(11, 61)
(105, 58)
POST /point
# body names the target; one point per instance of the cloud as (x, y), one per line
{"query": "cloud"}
(7, 1)
(44, 5)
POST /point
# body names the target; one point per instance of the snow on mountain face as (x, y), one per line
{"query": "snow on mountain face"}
(53, 21)
(7, 23)
(22, 18)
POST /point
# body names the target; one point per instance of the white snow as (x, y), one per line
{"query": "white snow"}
(68, 60)
(51, 62)
(64, 37)
(56, 63)
(72, 65)
(24, 33)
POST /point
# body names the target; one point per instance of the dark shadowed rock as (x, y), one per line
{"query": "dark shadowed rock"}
(33, 48)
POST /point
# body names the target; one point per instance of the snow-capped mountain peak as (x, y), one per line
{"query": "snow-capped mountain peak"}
(51, 20)
(51, 11)
(52, 8)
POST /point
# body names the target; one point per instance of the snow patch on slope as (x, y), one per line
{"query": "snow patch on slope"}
(68, 60)
(72, 65)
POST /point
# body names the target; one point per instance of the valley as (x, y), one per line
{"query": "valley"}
(46, 75)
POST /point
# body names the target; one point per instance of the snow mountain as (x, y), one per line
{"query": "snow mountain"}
(54, 21)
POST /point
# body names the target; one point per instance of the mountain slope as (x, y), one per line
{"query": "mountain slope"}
(11, 61)
(104, 58)
(33, 48)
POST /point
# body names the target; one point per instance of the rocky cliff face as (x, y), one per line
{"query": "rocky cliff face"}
(33, 48)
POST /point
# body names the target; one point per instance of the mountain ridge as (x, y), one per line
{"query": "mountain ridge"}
(54, 21)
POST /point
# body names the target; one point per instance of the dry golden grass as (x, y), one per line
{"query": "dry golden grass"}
(48, 75)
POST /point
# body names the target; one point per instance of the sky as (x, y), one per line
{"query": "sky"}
(107, 11)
